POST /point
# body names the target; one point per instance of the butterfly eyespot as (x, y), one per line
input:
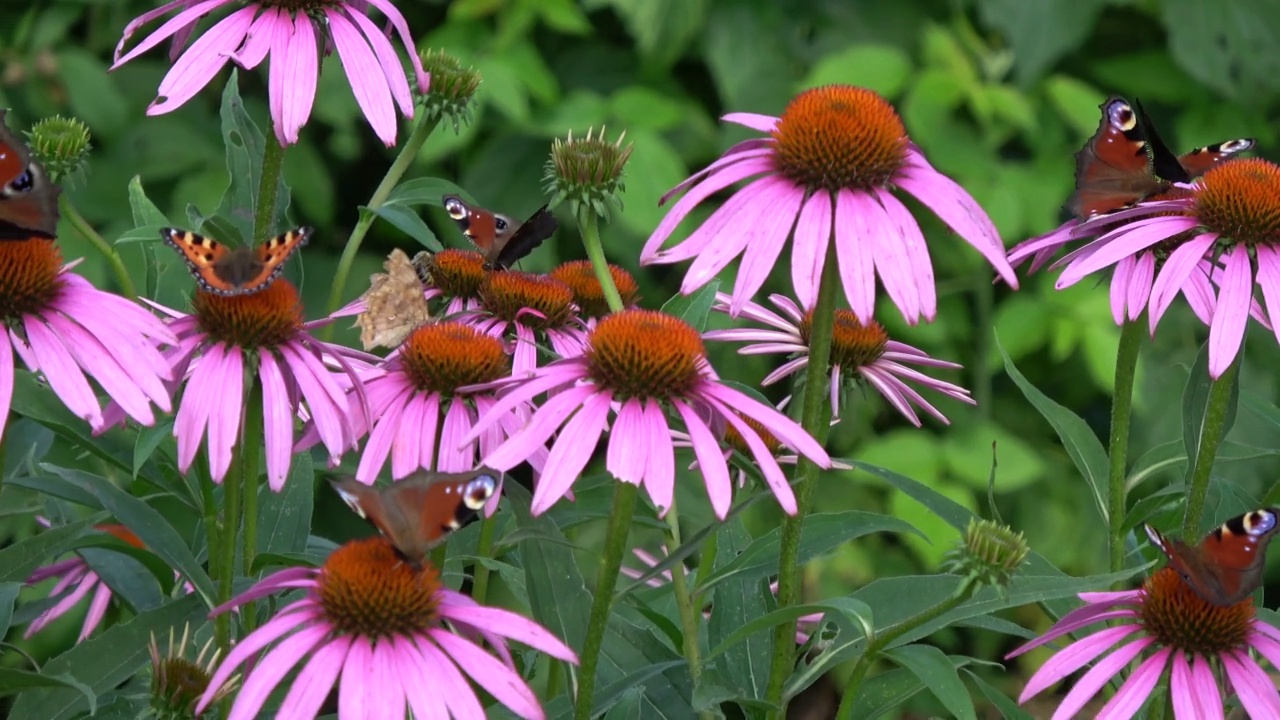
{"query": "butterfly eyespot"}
(455, 207)
(500, 223)
(21, 184)
(1259, 522)
(1122, 116)
(478, 491)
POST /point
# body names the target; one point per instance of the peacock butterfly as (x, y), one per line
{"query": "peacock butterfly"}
(1125, 161)
(28, 199)
(243, 270)
(416, 513)
(502, 241)
(1226, 567)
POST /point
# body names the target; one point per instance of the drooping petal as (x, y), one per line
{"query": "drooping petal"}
(312, 685)
(706, 449)
(1136, 689)
(1193, 689)
(197, 66)
(1097, 676)
(293, 74)
(1235, 292)
(365, 76)
(183, 19)
(277, 420)
(267, 674)
(500, 681)
(809, 245)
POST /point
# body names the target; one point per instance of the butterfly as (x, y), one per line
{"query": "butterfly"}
(28, 199)
(243, 270)
(416, 513)
(1125, 161)
(394, 304)
(1226, 567)
(502, 241)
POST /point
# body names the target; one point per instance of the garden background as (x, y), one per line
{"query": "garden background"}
(999, 94)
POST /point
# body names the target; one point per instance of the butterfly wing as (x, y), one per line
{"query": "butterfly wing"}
(268, 261)
(394, 304)
(1114, 168)
(203, 257)
(1164, 164)
(1226, 567)
(480, 226)
(1199, 161)
(416, 513)
(28, 200)
(523, 239)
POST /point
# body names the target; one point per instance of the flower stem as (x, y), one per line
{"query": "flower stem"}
(880, 642)
(813, 418)
(615, 544)
(100, 244)
(484, 549)
(689, 614)
(589, 226)
(1211, 432)
(268, 188)
(251, 440)
(231, 511)
(421, 131)
(1118, 446)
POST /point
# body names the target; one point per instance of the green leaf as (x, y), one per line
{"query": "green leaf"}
(13, 681)
(935, 670)
(737, 601)
(632, 655)
(1008, 708)
(1227, 46)
(856, 612)
(694, 308)
(884, 692)
(426, 191)
(628, 704)
(662, 28)
(284, 518)
(408, 222)
(1040, 32)
(822, 533)
(105, 661)
(149, 438)
(8, 594)
(145, 212)
(1195, 399)
(151, 528)
(245, 146)
(882, 68)
(1082, 446)
(19, 559)
(128, 578)
(34, 399)
(557, 595)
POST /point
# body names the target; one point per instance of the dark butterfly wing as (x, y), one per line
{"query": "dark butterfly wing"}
(1164, 164)
(532, 233)
(1226, 567)
(1113, 169)
(28, 199)
(1199, 161)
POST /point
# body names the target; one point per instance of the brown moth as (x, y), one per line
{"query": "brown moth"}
(394, 304)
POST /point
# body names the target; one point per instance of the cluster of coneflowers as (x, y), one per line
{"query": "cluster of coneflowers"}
(518, 368)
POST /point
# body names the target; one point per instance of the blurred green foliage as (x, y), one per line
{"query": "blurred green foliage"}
(998, 93)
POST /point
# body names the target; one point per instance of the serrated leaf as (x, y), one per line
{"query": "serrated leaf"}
(151, 527)
(936, 671)
(101, 663)
(1082, 446)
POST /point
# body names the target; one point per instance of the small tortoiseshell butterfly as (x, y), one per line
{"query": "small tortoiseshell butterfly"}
(223, 270)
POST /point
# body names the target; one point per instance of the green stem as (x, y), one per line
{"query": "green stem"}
(421, 131)
(100, 244)
(251, 441)
(615, 544)
(1118, 447)
(882, 640)
(1211, 432)
(484, 549)
(231, 510)
(268, 189)
(689, 613)
(813, 419)
(589, 225)
(984, 293)
(213, 538)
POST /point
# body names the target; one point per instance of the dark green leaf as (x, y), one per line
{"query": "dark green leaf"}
(149, 438)
(245, 146)
(34, 399)
(284, 518)
(151, 527)
(935, 670)
(426, 191)
(49, 481)
(737, 601)
(884, 692)
(145, 212)
(632, 655)
(628, 705)
(410, 223)
(1227, 46)
(944, 507)
(105, 661)
(1008, 708)
(1040, 32)
(1195, 399)
(694, 308)
(822, 533)
(19, 559)
(8, 594)
(857, 613)
(128, 579)
(557, 595)
(1077, 437)
(13, 681)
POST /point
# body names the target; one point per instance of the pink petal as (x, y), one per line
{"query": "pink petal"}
(1097, 676)
(706, 449)
(1073, 657)
(504, 685)
(424, 701)
(737, 229)
(260, 682)
(1255, 689)
(402, 29)
(660, 477)
(571, 453)
(856, 231)
(1136, 689)
(392, 70)
(277, 420)
(60, 369)
(1235, 291)
(1193, 689)
(544, 423)
(1129, 240)
(247, 647)
(225, 417)
(202, 61)
(917, 253)
(755, 121)
(357, 693)
(6, 381)
(293, 74)
(765, 245)
(366, 78)
(514, 626)
(445, 681)
(809, 247)
(176, 23)
(314, 681)
(261, 37)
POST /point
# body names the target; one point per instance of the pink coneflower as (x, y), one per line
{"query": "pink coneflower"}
(805, 624)
(859, 352)
(292, 33)
(638, 365)
(76, 581)
(426, 396)
(263, 331)
(1176, 630)
(1230, 222)
(389, 637)
(580, 276)
(529, 310)
(829, 168)
(64, 328)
